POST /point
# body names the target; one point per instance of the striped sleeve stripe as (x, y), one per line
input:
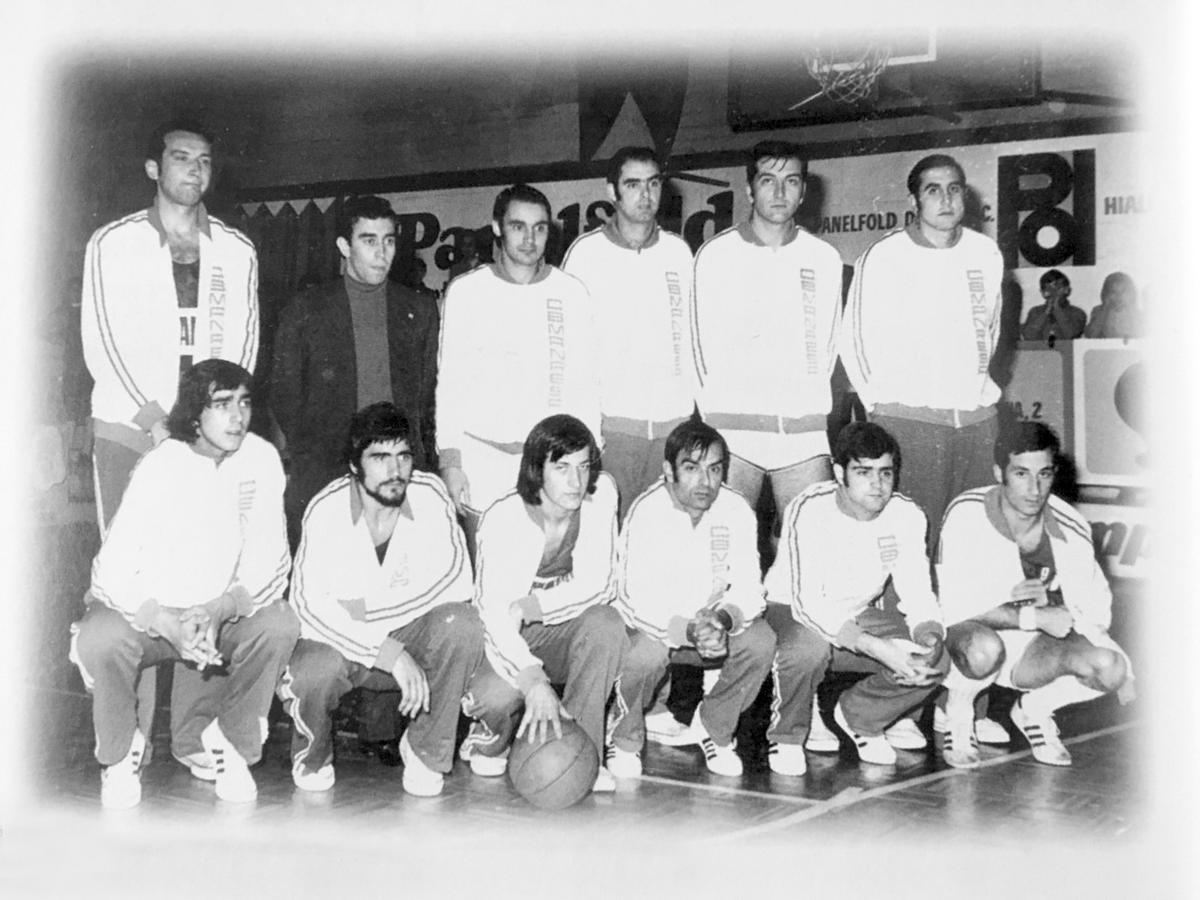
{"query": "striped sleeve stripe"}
(855, 305)
(697, 348)
(508, 669)
(1073, 524)
(101, 307)
(973, 496)
(636, 621)
(344, 644)
(623, 602)
(789, 528)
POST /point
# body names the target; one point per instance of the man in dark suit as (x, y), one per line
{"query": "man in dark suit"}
(343, 346)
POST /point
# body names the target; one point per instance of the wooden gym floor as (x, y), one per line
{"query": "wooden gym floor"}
(675, 831)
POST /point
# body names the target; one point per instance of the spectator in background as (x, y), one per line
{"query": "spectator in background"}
(1118, 315)
(344, 345)
(1056, 319)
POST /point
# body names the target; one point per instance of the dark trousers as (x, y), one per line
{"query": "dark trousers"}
(110, 653)
(584, 655)
(743, 671)
(446, 642)
(802, 657)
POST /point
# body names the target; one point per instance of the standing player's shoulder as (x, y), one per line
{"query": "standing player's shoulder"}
(219, 227)
(566, 283)
(673, 240)
(585, 246)
(730, 237)
(126, 228)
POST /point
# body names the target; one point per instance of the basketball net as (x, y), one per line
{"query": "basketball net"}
(848, 81)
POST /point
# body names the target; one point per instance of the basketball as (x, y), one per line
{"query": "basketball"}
(556, 773)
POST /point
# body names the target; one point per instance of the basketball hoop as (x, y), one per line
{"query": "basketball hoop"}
(846, 80)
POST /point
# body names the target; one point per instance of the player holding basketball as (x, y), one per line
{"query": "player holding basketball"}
(543, 580)
(767, 304)
(1026, 603)
(843, 541)
(192, 570)
(518, 344)
(918, 335)
(640, 279)
(688, 587)
(382, 587)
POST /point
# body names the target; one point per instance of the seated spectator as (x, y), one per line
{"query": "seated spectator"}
(1056, 319)
(1118, 315)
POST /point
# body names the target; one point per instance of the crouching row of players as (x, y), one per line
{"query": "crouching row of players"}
(195, 565)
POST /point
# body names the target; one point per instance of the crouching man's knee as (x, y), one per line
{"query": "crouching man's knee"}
(976, 649)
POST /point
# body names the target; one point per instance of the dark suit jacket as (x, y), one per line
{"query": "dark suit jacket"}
(314, 380)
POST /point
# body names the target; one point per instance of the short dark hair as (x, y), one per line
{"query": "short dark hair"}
(381, 422)
(355, 208)
(157, 145)
(933, 161)
(196, 387)
(865, 440)
(628, 154)
(774, 150)
(1024, 436)
(693, 435)
(1051, 276)
(550, 440)
(521, 193)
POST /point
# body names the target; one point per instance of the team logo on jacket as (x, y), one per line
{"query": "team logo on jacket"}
(246, 491)
(675, 293)
(400, 573)
(889, 550)
(556, 333)
(216, 312)
(808, 290)
(718, 544)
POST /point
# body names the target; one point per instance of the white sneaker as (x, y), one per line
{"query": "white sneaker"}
(989, 731)
(622, 763)
(235, 784)
(905, 735)
(484, 766)
(786, 759)
(489, 766)
(871, 749)
(721, 760)
(121, 783)
(605, 782)
(1042, 735)
(664, 728)
(320, 780)
(200, 764)
(419, 780)
(820, 739)
(959, 748)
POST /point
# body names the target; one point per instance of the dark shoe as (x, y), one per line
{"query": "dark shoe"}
(387, 752)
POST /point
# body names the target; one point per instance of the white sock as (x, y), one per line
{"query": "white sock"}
(1040, 703)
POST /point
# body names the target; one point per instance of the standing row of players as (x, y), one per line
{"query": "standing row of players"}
(749, 333)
